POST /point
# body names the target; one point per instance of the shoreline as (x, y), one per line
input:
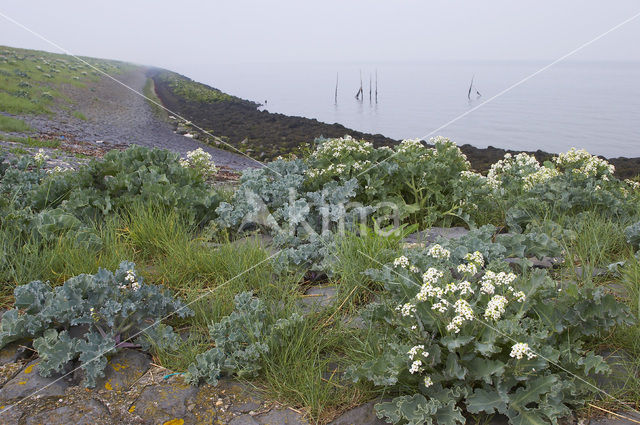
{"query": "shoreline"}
(266, 135)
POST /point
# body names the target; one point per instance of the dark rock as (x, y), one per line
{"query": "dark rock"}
(13, 352)
(243, 420)
(29, 382)
(165, 402)
(246, 406)
(281, 417)
(124, 369)
(318, 297)
(582, 273)
(361, 415)
(91, 412)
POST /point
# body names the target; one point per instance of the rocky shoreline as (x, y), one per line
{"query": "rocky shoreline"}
(265, 135)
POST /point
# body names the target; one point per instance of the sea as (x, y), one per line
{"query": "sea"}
(525, 105)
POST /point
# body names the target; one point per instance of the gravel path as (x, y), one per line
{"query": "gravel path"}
(118, 116)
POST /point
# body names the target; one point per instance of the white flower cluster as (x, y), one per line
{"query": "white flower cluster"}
(58, 169)
(542, 175)
(336, 148)
(41, 156)
(132, 281)
(411, 146)
(475, 258)
(431, 276)
(333, 169)
(407, 309)
(438, 252)
(519, 166)
(521, 349)
(417, 350)
(580, 161)
(496, 307)
(470, 269)
(401, 261)
(201, 161)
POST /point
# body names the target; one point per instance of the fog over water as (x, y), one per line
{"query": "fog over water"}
(288, 53)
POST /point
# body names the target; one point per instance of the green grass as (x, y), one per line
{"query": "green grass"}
(35, 142)
(31, 81)
(79, 115)
(354, 254)
(194, 91)
(13, 125)
(597, 241)
(152, 98)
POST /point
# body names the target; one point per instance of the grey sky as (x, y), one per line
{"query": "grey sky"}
(184, 34)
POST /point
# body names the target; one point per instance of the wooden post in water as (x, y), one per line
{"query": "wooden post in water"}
(376, 86)
(369, 88)
(335, 97)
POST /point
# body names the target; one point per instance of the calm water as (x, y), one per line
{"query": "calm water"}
(595, 106)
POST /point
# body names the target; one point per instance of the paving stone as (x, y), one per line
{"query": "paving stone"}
(91, 412)
(361, 415)
(165, 402)
(10, 415)
(28, 381)
(281, 417)
(616, 420)
(123, 369)
(318, 297)
(432, 234)
(243, 420)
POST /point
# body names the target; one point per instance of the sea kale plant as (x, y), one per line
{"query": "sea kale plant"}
(415, 178)
(89, 318)
(518, 190)
(241, 339)
(459, 336)
(274, 199)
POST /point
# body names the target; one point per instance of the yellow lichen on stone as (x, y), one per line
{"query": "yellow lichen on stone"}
(174, 422)
(132, 408)
(108, 386)
(119, 366)
(22, 382)
(28, 369)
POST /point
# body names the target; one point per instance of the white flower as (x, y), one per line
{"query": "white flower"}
(454, 325)
(521, 349)
(469, 269)
(413, 352)
(427, 381)
(414, 269)
(438, 252)
(495, 307)
(487, 288)
(440, 306)
(431, 276)
(475, 258)
(407, 309)
(427, 291)
(463, 308)
(520, 296)
(465, 287)
(135, 286)
(401, 261)
(415, 366)
(41, 156)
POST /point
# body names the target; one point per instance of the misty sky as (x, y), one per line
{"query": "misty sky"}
(186, 34)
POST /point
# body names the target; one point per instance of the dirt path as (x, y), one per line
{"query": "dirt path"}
(116, 115)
